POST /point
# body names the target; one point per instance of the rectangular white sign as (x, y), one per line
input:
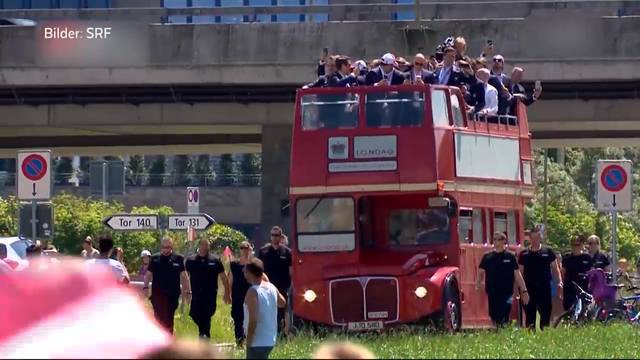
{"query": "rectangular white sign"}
(326, 242)
(34, 174)
(363, 166)
(615, 189)
(371, 147)
(131, 222)
(185, 221)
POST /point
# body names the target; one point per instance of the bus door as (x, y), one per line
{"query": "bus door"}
(472, 247)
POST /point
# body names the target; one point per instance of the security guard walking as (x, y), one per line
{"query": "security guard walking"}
(575, 265)
(499, 270)
(277, 265)
(204, 271)
(537, 263)
(166, 271)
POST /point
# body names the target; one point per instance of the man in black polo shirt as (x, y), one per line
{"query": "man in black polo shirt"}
(166, 271)
(574, 265)
(537, 263)
(277, 265)
(204, 270)
(600, 260)
(499, 269)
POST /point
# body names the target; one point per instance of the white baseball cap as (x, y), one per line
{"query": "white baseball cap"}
(145, 253)
(388, 59)
(360, 64)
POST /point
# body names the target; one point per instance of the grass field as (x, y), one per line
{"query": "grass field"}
(597, 341)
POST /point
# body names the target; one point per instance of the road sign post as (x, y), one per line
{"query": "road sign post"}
(614, 194)
(193, 200)
(34, 180)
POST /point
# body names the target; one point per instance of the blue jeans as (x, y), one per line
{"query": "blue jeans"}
(259, 352)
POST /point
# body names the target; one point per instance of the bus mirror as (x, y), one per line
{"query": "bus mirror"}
(284, 207)
(444, 202)
(439, 202)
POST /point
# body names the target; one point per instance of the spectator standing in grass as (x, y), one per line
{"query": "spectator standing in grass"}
(105, 244)
(88, 251)
(600, 260)
(260, 312)
(575, 265)
(239, 288)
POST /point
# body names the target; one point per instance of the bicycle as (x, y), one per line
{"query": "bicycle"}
(581, 312)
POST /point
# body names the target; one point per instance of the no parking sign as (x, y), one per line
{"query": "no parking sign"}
(614, 185)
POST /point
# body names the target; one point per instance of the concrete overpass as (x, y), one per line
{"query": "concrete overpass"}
(566, 46)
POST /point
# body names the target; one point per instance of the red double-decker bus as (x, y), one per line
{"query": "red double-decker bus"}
(395, 194)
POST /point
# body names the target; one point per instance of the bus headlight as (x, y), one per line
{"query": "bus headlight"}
(421, 292)
(310, 296)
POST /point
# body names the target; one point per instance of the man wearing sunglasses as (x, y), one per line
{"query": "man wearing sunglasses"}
(419, 75)
(277, 265)
(167, 272)
(574, 264)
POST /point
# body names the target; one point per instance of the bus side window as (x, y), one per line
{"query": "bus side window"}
(465, 226)
(500, 223)
(512, 227)
(439, 108)
(477, 226)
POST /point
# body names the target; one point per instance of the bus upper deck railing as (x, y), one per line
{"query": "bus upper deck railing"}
(387, 106)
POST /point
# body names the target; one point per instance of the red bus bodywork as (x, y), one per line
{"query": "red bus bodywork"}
(388, 201)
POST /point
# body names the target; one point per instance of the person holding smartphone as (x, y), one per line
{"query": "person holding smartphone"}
(518, 91)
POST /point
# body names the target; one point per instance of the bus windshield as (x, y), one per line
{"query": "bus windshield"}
(325, 224)
(414, 227)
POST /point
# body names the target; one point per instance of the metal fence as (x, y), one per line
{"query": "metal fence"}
(146, 179)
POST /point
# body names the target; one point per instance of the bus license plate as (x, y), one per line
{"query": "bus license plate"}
(365, 325)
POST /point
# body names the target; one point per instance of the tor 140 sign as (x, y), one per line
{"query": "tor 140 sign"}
(132, 222)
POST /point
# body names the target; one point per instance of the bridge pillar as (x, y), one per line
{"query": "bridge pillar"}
(276, 154)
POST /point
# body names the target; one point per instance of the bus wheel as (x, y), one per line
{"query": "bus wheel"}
(451, 312)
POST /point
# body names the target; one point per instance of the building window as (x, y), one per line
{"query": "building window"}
(404, 15)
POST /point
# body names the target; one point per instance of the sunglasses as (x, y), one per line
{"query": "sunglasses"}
(418, 64)
(497, 60)
(244, 248)
(276, 235)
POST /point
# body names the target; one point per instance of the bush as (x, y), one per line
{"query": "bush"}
(76, 217)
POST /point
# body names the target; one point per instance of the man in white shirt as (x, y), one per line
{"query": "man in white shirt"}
(485, 94)
(105, 244)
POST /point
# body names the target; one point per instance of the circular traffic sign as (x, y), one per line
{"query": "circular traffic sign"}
(193, 195)
(613, 178)
(34, 167)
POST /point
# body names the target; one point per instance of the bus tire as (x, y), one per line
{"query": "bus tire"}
(451, 310)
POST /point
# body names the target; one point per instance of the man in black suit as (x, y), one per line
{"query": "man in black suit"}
(385, 74)
(517, 90)
(343, 77)
(446, 73)
(419, 75)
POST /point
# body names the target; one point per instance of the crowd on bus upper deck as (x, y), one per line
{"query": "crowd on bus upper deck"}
(486, 88)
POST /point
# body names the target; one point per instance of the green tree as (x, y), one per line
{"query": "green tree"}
(9, 210)
(157, 171)
(183, 170)
(135, 170)
(226, 174)
(64, 168)
(251, 168)
(203, 170)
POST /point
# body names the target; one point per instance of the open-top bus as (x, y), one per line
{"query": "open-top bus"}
(395, 194)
